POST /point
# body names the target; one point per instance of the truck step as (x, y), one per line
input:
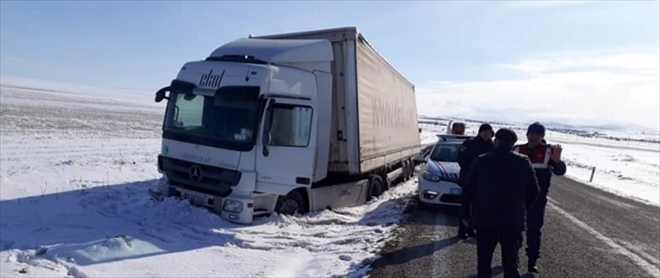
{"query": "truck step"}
(261, 212)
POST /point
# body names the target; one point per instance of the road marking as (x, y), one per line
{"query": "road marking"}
(645, 265)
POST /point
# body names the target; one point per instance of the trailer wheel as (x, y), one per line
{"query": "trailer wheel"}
(376, 187)
(290, 204)
(405, 168)
(412, 168)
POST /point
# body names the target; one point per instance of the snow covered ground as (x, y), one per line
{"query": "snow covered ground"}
(76, 165)
(626, 168)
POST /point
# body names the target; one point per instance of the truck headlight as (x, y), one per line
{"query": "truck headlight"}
(232, 206)
(430, 176)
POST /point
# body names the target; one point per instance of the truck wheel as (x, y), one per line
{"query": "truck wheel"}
(376, 187)
(290, 204)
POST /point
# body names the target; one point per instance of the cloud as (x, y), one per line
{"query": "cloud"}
(580, 88)
(641, 61)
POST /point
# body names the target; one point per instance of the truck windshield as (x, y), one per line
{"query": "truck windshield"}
(228, 120)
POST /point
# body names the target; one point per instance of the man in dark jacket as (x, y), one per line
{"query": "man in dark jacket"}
(500, 188)
(546, 160)
(467, 153)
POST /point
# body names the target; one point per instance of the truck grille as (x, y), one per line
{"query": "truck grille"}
(207, 179)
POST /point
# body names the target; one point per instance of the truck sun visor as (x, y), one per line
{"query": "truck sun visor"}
(182, 86)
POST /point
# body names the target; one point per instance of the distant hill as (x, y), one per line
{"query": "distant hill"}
(602, 127)
(613, 132)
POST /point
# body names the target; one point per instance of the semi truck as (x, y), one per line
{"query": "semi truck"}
(287, 123)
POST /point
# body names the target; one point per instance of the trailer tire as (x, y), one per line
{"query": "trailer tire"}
(405, 168)
(376, 187)
(290, 204)
(412, 168)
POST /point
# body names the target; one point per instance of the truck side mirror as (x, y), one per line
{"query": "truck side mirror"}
(160, 95)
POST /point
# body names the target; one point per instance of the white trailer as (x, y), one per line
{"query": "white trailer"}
(287, 123)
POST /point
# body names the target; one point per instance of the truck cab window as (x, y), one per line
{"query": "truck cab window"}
(291, 125)
(227, 119)
(188, 110)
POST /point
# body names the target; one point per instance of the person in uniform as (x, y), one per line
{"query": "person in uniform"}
(467, 153)
(546, 160)
(500, 188)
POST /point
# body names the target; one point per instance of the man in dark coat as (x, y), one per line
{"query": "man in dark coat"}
(546, 161)
(467, 153)
(500, 188)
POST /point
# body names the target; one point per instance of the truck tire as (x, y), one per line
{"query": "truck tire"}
(376, 187)
(290, 204)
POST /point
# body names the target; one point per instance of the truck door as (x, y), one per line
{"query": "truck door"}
(286, 155)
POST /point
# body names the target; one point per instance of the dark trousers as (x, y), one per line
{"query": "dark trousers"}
(462, 229)
(510, 242)
(534, 224)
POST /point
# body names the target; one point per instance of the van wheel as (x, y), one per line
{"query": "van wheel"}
(376, 187)
(290, 204)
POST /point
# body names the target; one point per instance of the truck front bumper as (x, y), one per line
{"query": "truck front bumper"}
(236, 207)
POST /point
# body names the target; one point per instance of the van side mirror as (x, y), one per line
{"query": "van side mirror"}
(160, 95)
(420, 158)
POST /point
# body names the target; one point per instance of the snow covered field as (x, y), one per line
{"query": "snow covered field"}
(76, 165)
(626, 168)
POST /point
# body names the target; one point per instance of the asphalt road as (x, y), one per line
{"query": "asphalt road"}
(587, 233)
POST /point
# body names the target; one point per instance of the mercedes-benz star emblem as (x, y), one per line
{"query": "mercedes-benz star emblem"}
(195, 173)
